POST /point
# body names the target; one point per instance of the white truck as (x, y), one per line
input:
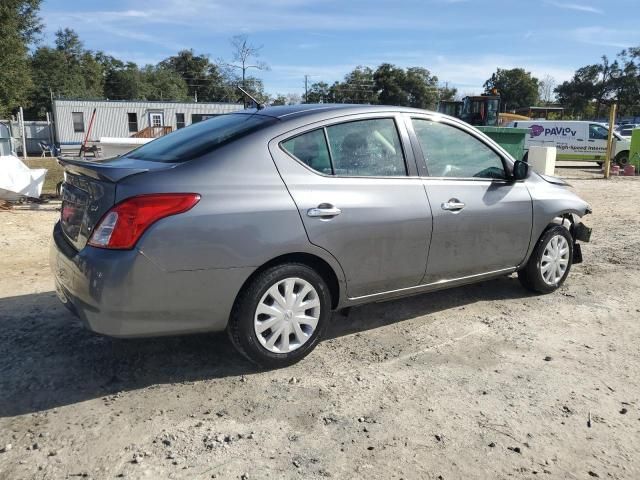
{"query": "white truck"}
(575, 140)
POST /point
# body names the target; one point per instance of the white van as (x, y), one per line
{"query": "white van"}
(575, 140)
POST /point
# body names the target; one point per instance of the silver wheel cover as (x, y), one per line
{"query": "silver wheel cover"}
(555, 260)
(287, 315)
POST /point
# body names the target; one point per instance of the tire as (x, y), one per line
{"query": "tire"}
(264, 324)
(622, 159)
(534, 276)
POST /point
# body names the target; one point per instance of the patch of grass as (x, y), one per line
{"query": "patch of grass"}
(54, 173)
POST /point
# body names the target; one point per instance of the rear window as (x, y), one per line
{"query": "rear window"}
(200, 138)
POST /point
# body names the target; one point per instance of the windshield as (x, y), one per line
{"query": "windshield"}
(200, 138)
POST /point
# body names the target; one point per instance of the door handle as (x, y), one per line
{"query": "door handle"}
(453, 205)
(324, 210)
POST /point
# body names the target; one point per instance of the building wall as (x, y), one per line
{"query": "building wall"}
(111, 118)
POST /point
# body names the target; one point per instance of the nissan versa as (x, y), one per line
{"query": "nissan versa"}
(264, 221)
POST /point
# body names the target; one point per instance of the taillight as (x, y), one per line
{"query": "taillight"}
(122, 226)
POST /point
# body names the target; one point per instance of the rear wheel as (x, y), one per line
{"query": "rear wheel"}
(622, 159)
(281, 315)
(550, 262)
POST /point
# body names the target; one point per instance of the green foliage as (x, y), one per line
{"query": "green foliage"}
(318, 92)
(387, 85)
(594, 87)
(19, 27)
(517, 88)
(68, 70)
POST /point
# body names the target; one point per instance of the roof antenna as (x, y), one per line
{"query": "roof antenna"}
(259, 105)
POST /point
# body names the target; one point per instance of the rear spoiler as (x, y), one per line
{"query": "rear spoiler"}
(99, 170)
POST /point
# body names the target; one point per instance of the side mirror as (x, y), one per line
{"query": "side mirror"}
(520, 170)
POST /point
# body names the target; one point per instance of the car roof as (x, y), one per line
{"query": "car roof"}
(287, 112)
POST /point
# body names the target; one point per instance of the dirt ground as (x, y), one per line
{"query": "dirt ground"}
(486, 381)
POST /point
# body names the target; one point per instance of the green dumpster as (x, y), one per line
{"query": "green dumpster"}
(634, 150)
(511, 139)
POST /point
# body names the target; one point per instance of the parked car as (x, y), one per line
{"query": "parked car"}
(625, 131)
(575, 140)
(262, 222)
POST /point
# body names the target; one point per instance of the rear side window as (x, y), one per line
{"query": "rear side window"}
(451, 152)
(362, 148)
(311, 149)
(203, 137)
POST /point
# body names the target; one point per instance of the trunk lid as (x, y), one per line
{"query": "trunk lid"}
(89, 191)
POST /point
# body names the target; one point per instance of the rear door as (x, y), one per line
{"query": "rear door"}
(359, 196)
(481, 221)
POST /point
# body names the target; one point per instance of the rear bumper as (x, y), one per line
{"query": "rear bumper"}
(124, 294)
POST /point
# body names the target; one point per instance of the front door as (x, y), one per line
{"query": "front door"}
(156, 119)
(360, 199)
(481, 221)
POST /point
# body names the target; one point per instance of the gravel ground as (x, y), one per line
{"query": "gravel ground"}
(485, 381)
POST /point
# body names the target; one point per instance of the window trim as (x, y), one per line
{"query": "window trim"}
(73, 122)
(339, 121)
(421, 158)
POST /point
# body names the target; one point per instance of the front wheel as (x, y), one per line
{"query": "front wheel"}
(550, 262)
(622, 159)
(281, 315)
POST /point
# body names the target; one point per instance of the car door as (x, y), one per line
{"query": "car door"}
(359, 196)
(481, 220)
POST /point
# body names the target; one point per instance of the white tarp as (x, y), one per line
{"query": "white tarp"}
(17, 180)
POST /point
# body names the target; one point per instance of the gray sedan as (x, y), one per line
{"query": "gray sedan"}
(262, 222)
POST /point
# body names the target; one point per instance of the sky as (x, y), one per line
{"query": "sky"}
(460, 41)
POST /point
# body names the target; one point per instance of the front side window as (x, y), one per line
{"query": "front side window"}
(598, 132)
(451, 152)
(78, 122)
(363, 148)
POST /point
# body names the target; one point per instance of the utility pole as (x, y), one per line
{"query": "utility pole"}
(306, 88)
(612, 122)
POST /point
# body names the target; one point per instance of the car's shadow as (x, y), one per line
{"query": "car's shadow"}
(48, 360)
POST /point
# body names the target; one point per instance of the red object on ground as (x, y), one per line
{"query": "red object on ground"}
(629, 170)
(615, 170)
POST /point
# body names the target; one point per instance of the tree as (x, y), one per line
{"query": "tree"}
(279, 100)
(448, 93)
(19, 28)
(67, 70)
(358, 87)
(421, 87)
(389, 81)
(161, 83)
(245, 57)
(517, 87)
(318, 92)
(595, 84)
(576, 94)
(546, 89)
(626, 83)
(205, 81)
